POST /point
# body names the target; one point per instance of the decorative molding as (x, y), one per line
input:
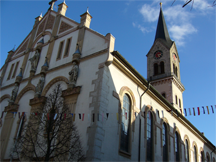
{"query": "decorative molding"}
(64, 26)
(37, 100)
(50, 22)
(71, 91)
(115, 94)
(4, 97)
(41, 27)
(12, 108)
(53, 81)
(28, 87)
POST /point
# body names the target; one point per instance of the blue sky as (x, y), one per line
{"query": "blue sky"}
(133, 24)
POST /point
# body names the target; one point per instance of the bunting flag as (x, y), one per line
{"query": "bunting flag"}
(198, 110)
(189, 111)
(93, 117)
(126, 115)
(71, 115)
(203, 109)
(185, 112)
(2, 114)
(107, 114)
(83, 117)
(48, 116)
(181, 111)
(36, 113)
(117, 116)
(212, 109)
(79, 116)
(207, 109)
(194, 111)
(14, 114)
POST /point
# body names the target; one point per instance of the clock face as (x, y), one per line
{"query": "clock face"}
(158, 54)
(174, 57)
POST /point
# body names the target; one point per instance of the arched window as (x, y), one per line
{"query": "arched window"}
(162, 67)
(195, 154)
(174, 68)
(165, 144)
(180, 103)
(149, 137)
(155, 69)
(177, 147)
(176, 99)
(202, 156)
(164, 95)
(125, 125)
(207, 158)
(186, 151)
(176, 71)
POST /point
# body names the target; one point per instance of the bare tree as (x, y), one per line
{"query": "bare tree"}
(192, 1)
(50, 135)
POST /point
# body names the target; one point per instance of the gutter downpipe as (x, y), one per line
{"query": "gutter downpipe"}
(211, 153)
(139, 145)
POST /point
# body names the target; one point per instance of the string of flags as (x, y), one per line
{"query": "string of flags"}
(81, 116)
(206, 110)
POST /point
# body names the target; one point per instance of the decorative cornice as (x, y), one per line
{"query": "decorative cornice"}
(71, 91)
(4, 97)
(37, 100)
(12, 108)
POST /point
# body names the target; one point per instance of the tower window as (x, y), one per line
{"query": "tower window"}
(180, 103)
(162, 67)
(164, 95)
(155, 69)
(176, 71)
(176, 100)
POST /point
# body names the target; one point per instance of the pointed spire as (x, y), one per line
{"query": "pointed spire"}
(162, 31)
(64, 2)
(46, 63)
(77, 51)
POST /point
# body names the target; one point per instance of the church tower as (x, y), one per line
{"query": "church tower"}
(163, 69)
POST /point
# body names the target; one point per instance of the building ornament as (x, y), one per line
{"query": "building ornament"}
(73, 75)
(13, 94)
(40, 85)
(34, 60)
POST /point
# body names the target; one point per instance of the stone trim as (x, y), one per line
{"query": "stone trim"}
(39, 37)
(28, 87)
(37, 100)
(71, 91)
(115, 94)
(53, 81)
(189, 148)
(4, 97)
(12, 108)
(197, 153)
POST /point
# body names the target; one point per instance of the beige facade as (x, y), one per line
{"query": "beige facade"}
(103, 81)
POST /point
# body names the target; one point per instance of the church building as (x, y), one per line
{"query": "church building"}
(138, 119)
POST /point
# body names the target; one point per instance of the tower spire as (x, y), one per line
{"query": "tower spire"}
(162, 31)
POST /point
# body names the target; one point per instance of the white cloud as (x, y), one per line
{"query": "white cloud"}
(179, 32)
(149, 13)
(143, 29)
(177, 19)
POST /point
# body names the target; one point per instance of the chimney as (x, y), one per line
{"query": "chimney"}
(85, 19)
(62, 8)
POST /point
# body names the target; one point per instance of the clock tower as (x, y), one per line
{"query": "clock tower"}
(163, 68)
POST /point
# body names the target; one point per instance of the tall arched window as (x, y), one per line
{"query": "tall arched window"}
(177, 147)
(207, 158)
(125, 125)
(176, 71)
(195, 154)
(202, 156)
(186, 151)
(155, 69)
(165, 144)
(162, 67)
(149, 137)
(174, 68)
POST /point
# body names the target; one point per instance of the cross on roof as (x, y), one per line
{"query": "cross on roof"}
(51, 3)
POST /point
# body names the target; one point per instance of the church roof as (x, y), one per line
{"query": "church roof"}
(162, 32)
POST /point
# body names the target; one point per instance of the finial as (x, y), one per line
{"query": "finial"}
(64, 2)
(87, 10)
(41, 15)
(14, 48)
(160, 4)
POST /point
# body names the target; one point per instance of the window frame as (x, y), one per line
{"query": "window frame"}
(15, 70)
(165, 136)
(10, 72)
(177, 146)
(187, 151)
(67, 47)
(195, 153)
(60, 50)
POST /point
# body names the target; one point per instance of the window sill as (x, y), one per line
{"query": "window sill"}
(125, 154)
